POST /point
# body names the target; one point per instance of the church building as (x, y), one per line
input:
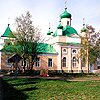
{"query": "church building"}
(66, 41)
(60, 51)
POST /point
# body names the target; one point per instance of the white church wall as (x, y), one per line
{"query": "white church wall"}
(64, 21)
(58, 49)
(52, 40)
(59, 31)
(74, 40)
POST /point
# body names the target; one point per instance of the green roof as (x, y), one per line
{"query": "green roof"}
(41, 48)
(11, 48)
(46, 48)
(60, 26)
(72, 43)
(65, 14)
(68, 43)
(66, 31)
(8, 33)
(55, 33)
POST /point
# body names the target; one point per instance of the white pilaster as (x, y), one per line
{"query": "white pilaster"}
(59, 31)
(69, 60)
(79, 67)
(59, 59)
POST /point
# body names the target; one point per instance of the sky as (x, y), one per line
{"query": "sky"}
(45, 11)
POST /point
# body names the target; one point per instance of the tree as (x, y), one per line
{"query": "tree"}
(27, 38)
(90, 48)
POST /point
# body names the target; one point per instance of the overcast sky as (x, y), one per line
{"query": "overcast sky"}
(45, 11)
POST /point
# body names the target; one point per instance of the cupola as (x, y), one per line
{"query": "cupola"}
(65, 14)
(83, 30)
(49, 32)
(65, 18)
(59, 26)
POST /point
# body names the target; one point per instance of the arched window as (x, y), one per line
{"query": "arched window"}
(74, 51)
(64, 50)
(74, 61)
(64, 62)
(68, 23)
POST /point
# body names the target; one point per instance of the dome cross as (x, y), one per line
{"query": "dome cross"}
(65, 4)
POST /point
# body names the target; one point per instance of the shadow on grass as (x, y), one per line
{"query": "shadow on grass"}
(24, 83)
(30, 89)
(10, 93)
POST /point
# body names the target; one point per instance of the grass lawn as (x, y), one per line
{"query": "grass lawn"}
(44, 89)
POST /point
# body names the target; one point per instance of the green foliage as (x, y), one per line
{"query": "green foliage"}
(90, 45)
(27, 35)
(27, 38)
(43, 89)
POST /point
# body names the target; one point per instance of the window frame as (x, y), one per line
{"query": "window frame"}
(50, 63)
(74, 62)
(64, 62)
(64, 50)
(75, 51)
(37, 62)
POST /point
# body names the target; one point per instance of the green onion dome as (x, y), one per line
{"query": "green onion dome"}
(60, 26)
(65, 14)
(83, 29)
(49, 33)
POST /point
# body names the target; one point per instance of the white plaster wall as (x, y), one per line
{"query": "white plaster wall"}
(59, 58)
(75, 40)
(79, 65)
(52, 40)
(59, 31)
(64, 21)
(58, 49)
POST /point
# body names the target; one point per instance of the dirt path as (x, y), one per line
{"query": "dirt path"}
(87, 78)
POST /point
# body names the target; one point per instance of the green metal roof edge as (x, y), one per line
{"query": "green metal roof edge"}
(68, 43)
(72, 43)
